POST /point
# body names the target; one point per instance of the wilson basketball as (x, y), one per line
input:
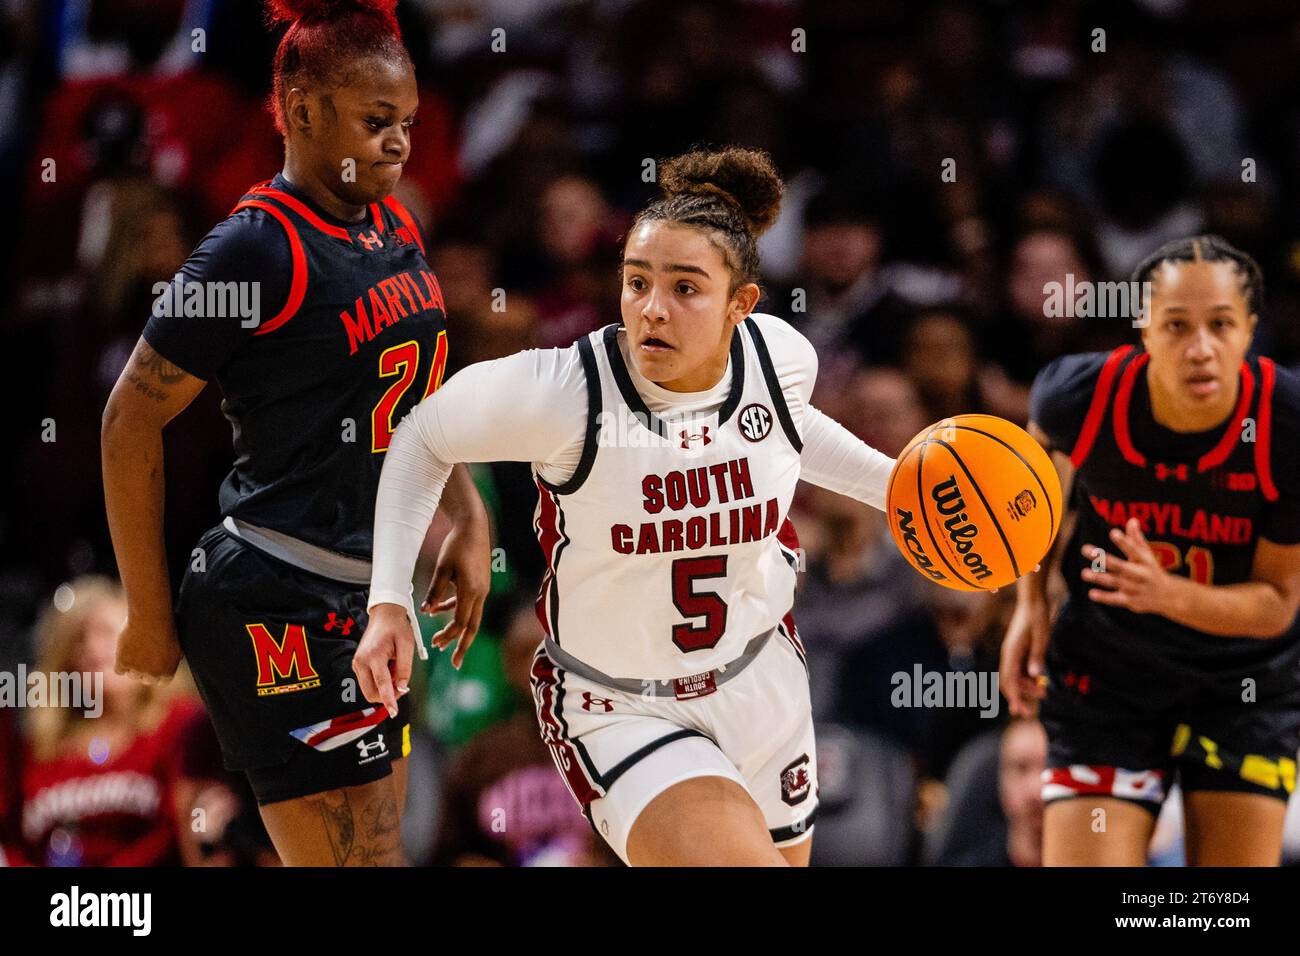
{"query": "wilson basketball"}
(974, 502)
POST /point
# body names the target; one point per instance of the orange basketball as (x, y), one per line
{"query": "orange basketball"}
(974, 502)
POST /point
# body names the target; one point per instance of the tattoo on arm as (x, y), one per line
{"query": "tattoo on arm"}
(151, 374)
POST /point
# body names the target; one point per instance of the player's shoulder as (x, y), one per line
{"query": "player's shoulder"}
(1063, 391)
(1070, 379)
(249, 239)
(778, 333)
(1286, 390)
(1285, 412)
(789, 348)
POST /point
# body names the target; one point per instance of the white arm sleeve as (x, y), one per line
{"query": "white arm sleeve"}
(833, 457)
(836, 459)
(531, 406)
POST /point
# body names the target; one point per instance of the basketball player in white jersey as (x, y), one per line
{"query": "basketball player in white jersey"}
(671, 686)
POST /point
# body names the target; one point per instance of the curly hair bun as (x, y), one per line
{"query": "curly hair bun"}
(744, 177)
(291, 11)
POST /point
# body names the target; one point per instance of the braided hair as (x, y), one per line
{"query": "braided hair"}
(1208, 248)
(732, 194)
(324, 40)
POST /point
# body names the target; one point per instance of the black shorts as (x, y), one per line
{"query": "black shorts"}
(1120, 724)
(270, 647)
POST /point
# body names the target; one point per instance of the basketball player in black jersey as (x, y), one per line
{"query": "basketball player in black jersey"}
(1174, 657)
(347, 335)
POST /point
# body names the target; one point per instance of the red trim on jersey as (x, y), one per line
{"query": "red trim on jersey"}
(549, 537)
(1220, 452)
(787, 535)
(377, 216)
(1097, 408)
(792, 634)
(1264, 430)
(256, 187)
(1120, 414)
(407, 220)
(546, 685)
(298, 286)
(337, 232)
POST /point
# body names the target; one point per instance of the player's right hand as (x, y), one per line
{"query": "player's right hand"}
(382, 662)
(148, 649)
(1021, 672)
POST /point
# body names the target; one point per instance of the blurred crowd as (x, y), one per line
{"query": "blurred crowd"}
(943, 160)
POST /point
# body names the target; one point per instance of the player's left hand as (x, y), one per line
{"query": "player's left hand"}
(464, 563)
(1139, 583)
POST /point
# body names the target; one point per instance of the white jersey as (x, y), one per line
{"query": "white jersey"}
(662, 515)
(670, 548)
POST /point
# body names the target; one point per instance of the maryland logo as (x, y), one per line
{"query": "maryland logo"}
(283, 666)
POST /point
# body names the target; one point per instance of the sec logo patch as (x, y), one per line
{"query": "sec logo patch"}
(755, 422)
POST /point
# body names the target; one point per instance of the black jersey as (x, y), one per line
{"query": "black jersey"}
(1203, 499)
(349, 334)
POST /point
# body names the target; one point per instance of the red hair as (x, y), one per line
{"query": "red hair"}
(323, 39)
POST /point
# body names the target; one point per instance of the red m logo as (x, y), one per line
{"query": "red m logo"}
(286, 659)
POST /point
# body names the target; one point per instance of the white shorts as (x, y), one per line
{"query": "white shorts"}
(617, 751)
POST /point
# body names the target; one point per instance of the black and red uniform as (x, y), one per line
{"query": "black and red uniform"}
(350, 334)
(1134, 699)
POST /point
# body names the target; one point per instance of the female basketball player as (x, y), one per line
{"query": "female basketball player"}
(345, 333)
(670, 686)
(1175, 654)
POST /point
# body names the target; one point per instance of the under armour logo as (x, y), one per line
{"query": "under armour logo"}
(588, 702)
(701, 436)
(371, 241)
(1164, 471)
(377, 746)
(345, 627)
